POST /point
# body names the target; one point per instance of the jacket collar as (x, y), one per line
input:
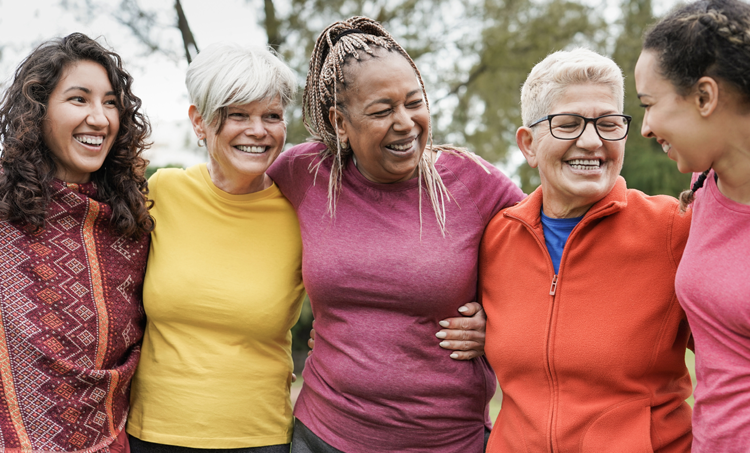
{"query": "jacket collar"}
(529, 210)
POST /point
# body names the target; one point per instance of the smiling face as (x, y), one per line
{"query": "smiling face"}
(673, 120)
(386, 122)
(250, 140)
(82, 121)
(575, 174)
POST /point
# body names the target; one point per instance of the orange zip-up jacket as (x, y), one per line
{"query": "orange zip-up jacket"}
(591, 359)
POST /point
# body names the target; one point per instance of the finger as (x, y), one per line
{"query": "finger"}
(312, 333)
(470, 309)
(294, 377)
(476, 322)
(464, 355)
(311, 343)
(461, 335)
(461, 345)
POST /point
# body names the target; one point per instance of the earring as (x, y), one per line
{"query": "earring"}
(201, 142)
(344, 144)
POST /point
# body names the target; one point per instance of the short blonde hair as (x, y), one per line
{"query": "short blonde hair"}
(225, 74)
(561, 69)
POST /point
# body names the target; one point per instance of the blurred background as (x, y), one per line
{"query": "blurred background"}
(473, 54)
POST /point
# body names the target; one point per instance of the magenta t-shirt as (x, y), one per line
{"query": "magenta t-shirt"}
(377, 379)
(713, 286)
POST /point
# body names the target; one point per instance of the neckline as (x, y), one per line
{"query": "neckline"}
(351, 168)
(232, 198)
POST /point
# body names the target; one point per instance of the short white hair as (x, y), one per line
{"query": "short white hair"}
(225, 74)
(559, 70)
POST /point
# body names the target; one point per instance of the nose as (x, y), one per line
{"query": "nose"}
(97, 118)
(589, 139)
(645, 128)
(402, 120)
(255, 128)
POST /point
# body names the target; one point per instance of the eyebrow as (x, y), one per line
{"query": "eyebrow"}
(87, 91)
(388, 101)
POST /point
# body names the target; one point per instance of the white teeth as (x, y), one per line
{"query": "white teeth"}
(401, 147)
(251, 149)
(666, 147)
(90, 139)
(584, 164)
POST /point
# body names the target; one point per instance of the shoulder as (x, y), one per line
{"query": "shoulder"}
(295, 169)
(661, 215)
(296, 156)
(485, 184)
(167, 180)
(474, 170)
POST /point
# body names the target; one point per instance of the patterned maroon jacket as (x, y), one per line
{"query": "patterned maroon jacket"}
(71, 323)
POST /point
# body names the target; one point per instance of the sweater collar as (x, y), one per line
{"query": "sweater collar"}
(529, 210)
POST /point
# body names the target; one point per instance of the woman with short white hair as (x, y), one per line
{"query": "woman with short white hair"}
(584, 330)
(223, 285)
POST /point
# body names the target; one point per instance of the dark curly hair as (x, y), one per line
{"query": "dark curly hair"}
(704, 38)
(27, 163)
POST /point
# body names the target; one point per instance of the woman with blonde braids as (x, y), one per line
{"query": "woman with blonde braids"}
(692, 78)
(390, 226)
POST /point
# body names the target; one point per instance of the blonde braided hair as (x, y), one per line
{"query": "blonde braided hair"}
(338, 43)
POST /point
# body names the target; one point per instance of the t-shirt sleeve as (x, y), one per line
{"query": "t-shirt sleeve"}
(492, 191)
(291, 171)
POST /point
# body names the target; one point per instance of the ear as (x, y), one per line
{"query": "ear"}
(707, 96)
(525, 142)
(339, 123)
(197, 120)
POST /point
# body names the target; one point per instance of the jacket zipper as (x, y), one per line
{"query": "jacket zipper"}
(552, 291)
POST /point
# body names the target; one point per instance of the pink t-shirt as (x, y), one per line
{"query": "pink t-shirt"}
(713, 285)
(377, 380)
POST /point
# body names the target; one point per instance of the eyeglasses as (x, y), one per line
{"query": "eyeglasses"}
(569, 126)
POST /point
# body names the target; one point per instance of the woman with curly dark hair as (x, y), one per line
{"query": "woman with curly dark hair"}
(74, 228)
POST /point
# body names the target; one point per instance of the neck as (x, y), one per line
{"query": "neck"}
(237, 184)
(563, 211)
(733, 168)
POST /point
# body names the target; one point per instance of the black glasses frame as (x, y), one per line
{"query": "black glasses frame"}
(586, 122)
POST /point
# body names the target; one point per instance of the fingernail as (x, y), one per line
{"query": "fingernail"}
(454, 356)
(444, 323)
(444, 344)
(463, 309)
(441, 335)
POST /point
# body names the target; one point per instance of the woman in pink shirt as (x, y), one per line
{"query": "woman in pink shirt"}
(692, 78)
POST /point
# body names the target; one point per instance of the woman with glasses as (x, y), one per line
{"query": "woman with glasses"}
(584, 330)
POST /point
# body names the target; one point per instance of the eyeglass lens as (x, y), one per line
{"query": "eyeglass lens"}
(614, 127)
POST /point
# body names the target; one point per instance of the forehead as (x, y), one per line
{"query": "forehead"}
(86, 74)
(382, 70)
(647, 76)
(271, 103)
(589, 99)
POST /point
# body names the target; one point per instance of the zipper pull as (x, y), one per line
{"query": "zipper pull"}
(553, 288)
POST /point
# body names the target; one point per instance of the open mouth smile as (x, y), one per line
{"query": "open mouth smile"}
(90, 140)
(585, 164)
(252, 149)
(403, 147)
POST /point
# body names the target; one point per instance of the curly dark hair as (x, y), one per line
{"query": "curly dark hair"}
(704, 38)
(28, 166)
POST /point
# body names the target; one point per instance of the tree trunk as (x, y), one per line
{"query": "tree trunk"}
(191, 48)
